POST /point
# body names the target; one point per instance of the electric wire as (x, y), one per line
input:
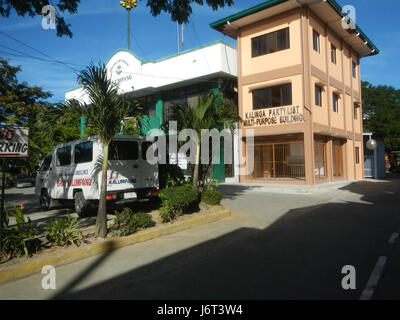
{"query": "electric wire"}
(198, 42)
(67, 64)
(205, 58)
(139, 47)
(26, 55)
(36, 50)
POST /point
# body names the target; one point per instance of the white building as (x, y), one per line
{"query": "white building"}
(177, 78)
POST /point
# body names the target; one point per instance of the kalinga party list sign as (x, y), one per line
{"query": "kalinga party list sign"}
(279, 115)
(13, 141)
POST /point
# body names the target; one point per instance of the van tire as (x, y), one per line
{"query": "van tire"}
(46, 202)
(81, 204)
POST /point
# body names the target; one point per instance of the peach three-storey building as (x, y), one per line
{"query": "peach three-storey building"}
(300, 90)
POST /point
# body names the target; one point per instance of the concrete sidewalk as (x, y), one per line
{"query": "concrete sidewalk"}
(285, 188)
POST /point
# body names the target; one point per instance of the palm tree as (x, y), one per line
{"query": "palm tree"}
(209, 113)
(104, 112)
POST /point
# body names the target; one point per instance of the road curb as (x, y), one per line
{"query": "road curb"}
(27, 269)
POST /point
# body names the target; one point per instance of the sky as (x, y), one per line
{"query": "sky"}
(100, 28)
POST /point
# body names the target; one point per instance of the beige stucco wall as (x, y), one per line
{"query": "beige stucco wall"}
(335, 70)
(337, 118)
(317, 59)
(320, 113)
(347, 66)
(287, 66)
(349, 112)
(297, 99)
(357, 123)
(276, 60)
(359, 174)
(350, 159)
(356, 80)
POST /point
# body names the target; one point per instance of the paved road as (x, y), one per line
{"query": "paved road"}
(14, 196)
(274, 246)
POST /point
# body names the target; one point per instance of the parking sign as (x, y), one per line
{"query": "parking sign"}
(13, 141)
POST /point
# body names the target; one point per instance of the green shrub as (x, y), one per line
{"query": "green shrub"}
(175, 200)
(170, 175)
(211, 196)
(143, 220)
(167, 214)
(123, 223)
(63, 232)
(19, 240)
(126, 222)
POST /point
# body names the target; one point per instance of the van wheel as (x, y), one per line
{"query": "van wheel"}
(81, 204)
(46, 202)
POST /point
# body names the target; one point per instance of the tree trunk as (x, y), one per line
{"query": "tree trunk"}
(196, 169)
(101, 221)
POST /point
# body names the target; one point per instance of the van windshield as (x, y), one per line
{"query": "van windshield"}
(123, 150)
(46, 163)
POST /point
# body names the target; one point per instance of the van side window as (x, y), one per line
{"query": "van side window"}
(84, 152)
(63, 156)
(123, 150)
(46, 163)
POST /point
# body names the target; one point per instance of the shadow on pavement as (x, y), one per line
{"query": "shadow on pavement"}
(233, 191)
(110, 246)
(300, 256)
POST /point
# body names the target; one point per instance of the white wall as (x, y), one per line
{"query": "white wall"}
(191, 64)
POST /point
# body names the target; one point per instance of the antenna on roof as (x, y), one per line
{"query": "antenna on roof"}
(177, 35)
(128, 5)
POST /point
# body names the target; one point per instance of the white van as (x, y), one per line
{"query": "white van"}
(73, 172)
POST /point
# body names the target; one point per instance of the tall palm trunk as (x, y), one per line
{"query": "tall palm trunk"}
(101, 221)
(196, 169)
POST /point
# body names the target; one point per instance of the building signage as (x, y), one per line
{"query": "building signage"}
(13, 141)
(117, 81)
(117, 68)
(279, 115)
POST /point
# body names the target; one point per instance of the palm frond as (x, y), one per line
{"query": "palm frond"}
(207, 114)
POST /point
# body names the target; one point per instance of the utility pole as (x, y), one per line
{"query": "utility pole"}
(178, 37)
(128, 5)
(177, 34)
